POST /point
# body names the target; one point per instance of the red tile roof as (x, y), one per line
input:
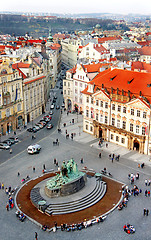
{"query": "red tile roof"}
(104, 39)
(100, 48)
(126, 80)
(141, 66)
(145, 50)
(33, 80)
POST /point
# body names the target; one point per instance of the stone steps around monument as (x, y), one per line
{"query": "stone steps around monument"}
(81, 204)
(78, 200)
(35, 196)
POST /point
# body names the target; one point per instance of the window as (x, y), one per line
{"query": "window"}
(112, 136)
(80, 84)
(124, 109)
(68, 84)
(118, 123)
(106, 105)
(18, 107)
(64, 91)
(113, 121)
(86, 127)
(132, 111)
(101, 118)
(119, 108)
(101, 104)
(123, 140)
(131, 127)
(144, 114)
(91, 129)
(138, 113)
(117, 138)
(113, 106)
(8, 112)
(76, 91)
(97, 102)
(143, 130)
(64, 83)
(87, 113)
(106, 119)
(87, 99)
(0, 114)
(97, 116)
(91, 100)
(68, 92)
(124, 125)
(137, 129)
(92, 114)
(76, 83)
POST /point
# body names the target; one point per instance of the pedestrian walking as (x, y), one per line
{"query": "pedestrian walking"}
(146, 192)
(146, 182)
(82, 161)
(112, 159)
(2, 185)
(66, 131)
(147, 212)
(44, 167)
(144, 211)
(10, 151)
(106, 145)
(36, 235)
(7, 207)
(100, 155)
(34, 169)
(54, 161)
(18, 174)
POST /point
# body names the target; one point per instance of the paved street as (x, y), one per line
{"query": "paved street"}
(86, 146)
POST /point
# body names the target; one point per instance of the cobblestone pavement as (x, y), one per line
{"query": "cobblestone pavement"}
(86, 146)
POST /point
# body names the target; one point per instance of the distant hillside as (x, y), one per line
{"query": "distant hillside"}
(39, 26)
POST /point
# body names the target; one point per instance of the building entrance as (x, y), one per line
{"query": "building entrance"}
(136, 145)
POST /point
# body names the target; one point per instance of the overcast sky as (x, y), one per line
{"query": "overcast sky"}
(78, 6)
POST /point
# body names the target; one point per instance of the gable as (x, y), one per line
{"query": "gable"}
(100, 95)
(138, 104)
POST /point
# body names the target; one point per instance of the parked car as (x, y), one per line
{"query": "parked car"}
(4, 146)
(52, 106)
(35, 148)
(8, 142)
(43, 122)
(12, 140)
(34, 129)
(39, 125)
(51, 112)
(15, 139)
(29, 129)
(49, 126)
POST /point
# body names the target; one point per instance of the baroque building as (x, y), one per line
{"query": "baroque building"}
(117, 108)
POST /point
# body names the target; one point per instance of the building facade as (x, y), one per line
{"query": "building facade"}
(118, 114)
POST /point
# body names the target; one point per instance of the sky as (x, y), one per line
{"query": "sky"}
(78, 6)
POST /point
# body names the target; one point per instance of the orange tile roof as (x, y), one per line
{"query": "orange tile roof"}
(20, 65)
(126, 80)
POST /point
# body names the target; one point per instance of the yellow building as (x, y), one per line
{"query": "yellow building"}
(11, 98)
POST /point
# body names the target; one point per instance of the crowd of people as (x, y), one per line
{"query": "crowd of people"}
(78, 226)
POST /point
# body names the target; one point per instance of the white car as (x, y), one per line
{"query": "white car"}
(52, 106)
(4, 146)
(35, 148)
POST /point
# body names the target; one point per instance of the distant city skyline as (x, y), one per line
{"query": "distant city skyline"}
(63, 7)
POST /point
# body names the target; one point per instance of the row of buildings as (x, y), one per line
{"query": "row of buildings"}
(28, 70)
(114, 96)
